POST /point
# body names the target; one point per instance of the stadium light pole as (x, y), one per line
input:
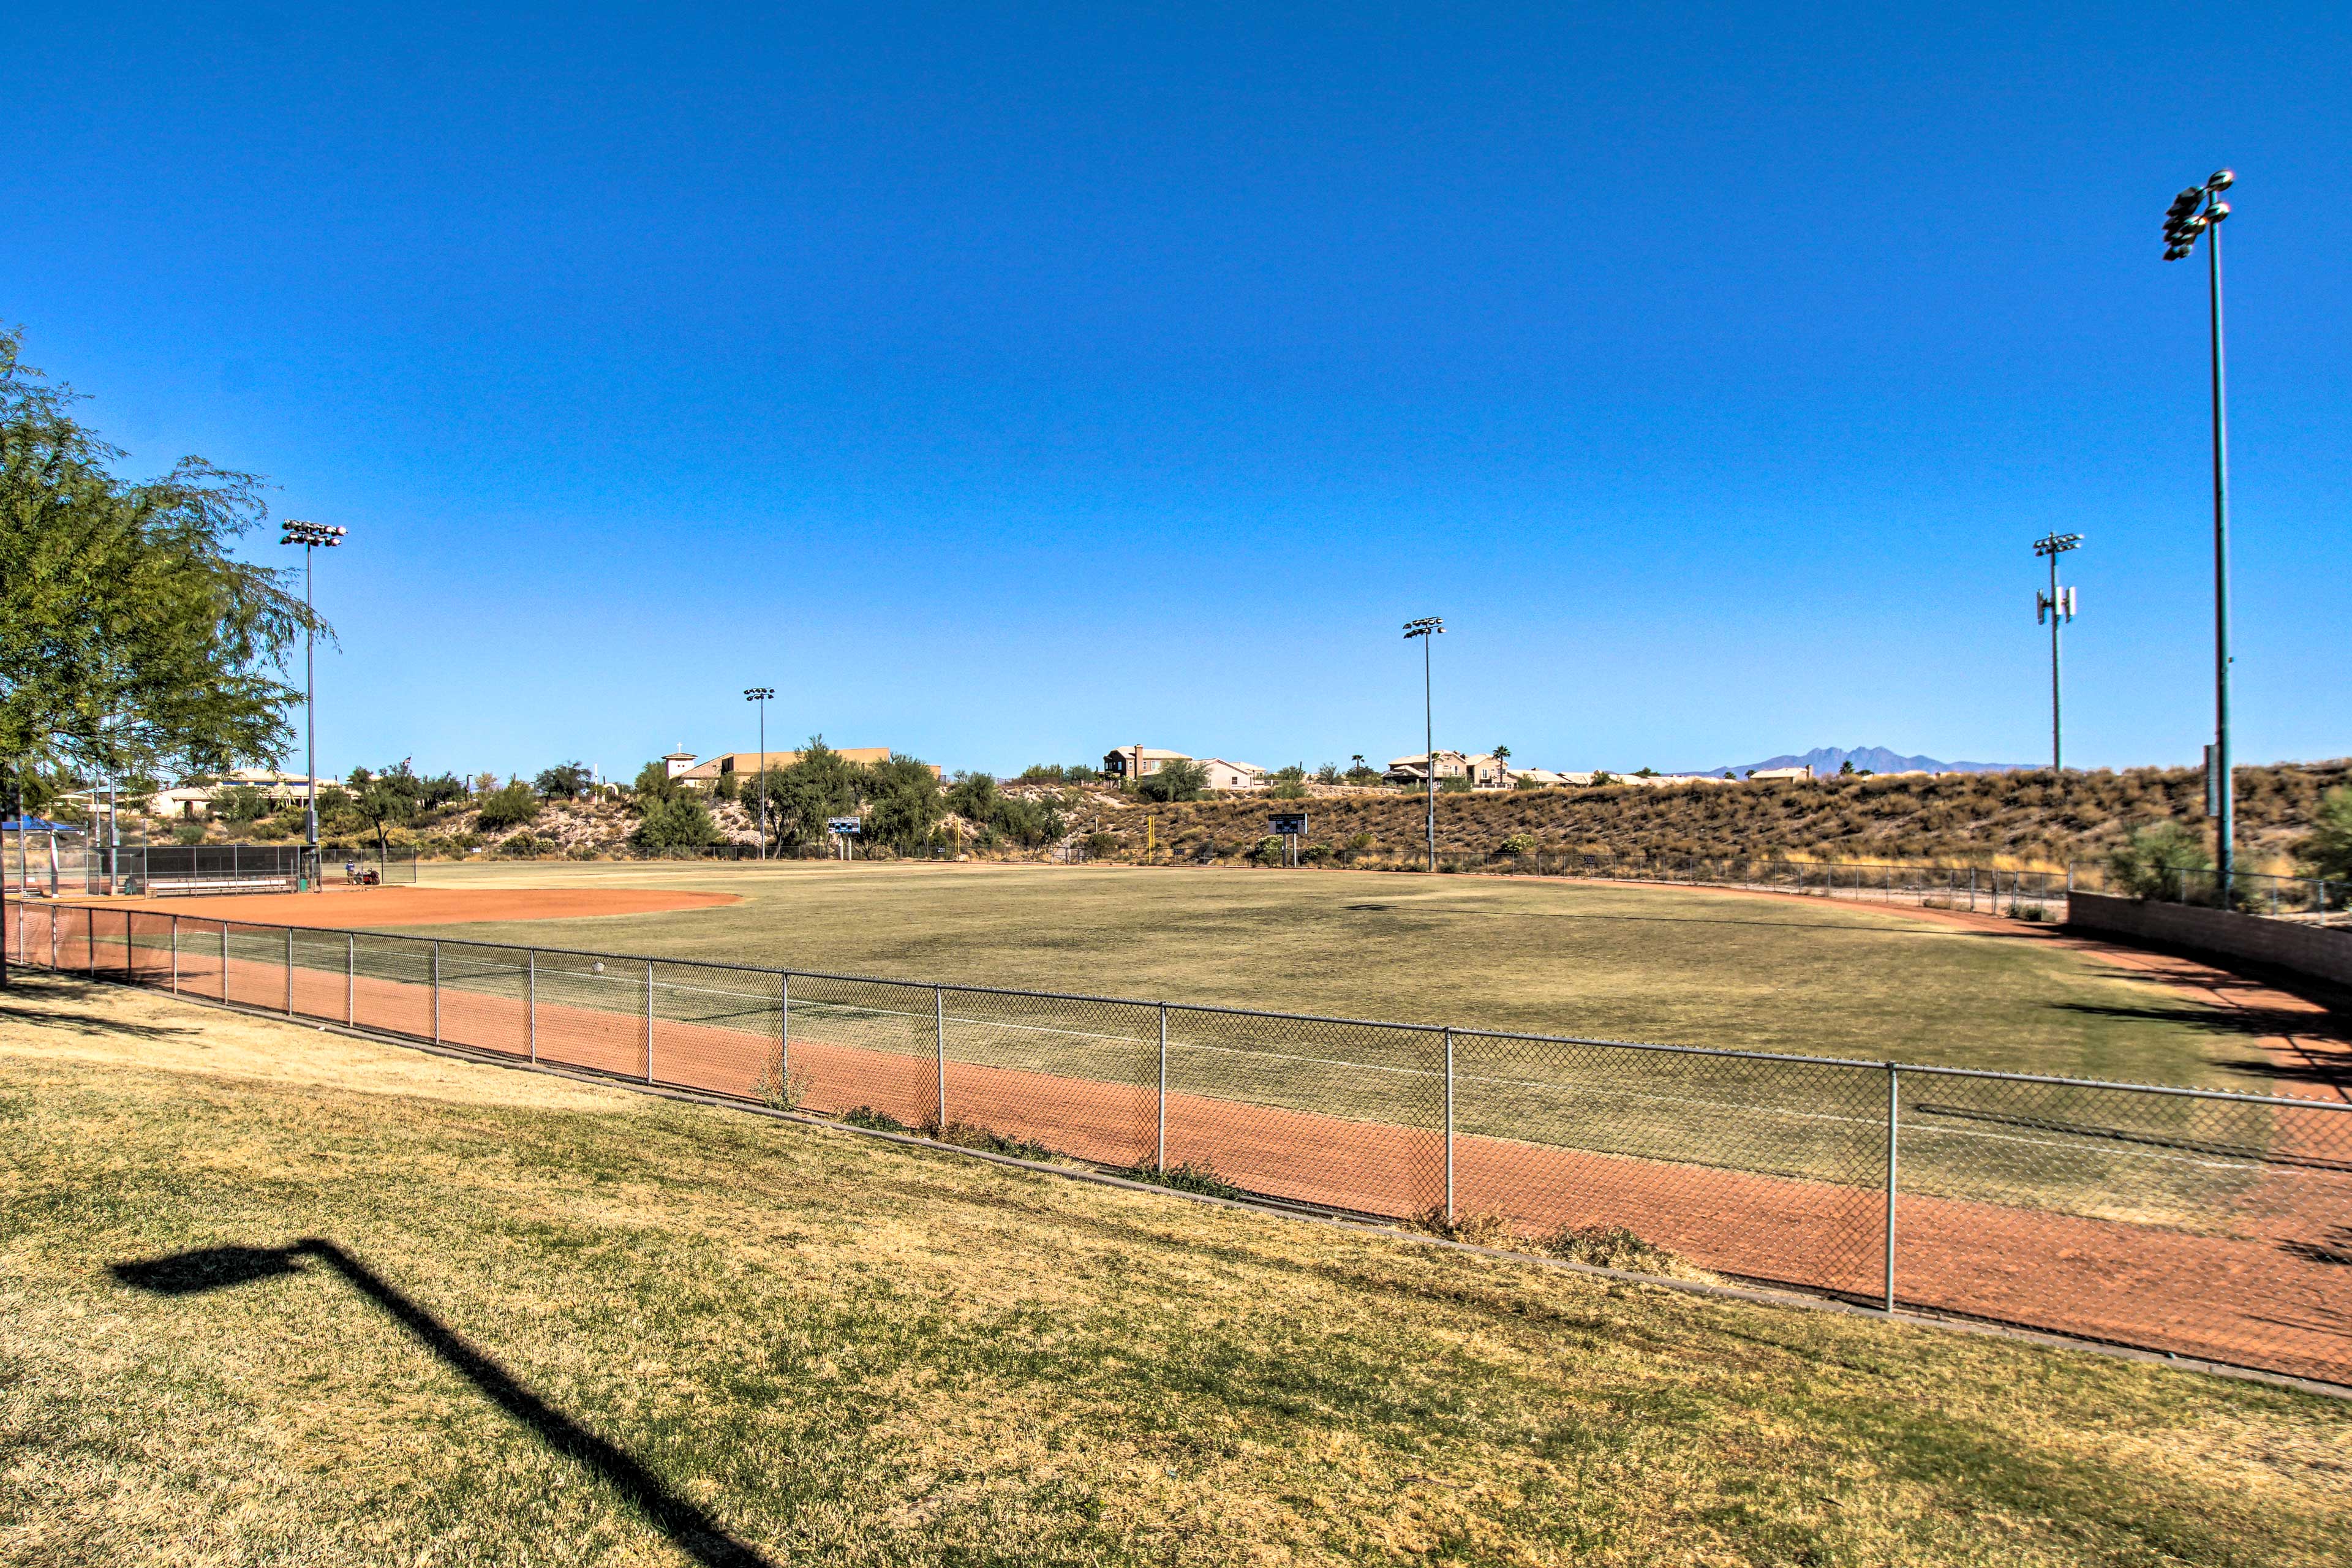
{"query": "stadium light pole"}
(1425, 629)
(2196, 212)
(312, 537)
(2057, 607)
(761, 694)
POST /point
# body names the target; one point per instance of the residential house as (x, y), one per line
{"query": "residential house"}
(1223, 774)
(1129, 763)
(278, 789)
(706, 774)
(1415, 768)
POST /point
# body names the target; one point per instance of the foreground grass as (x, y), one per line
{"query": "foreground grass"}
(723, 1336)
(1673, 965)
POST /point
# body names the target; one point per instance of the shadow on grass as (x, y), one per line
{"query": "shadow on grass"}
(698, 1535)
(36, 1003)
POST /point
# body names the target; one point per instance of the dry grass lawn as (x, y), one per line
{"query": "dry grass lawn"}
(450, 1314)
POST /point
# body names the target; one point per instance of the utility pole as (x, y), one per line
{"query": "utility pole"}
(2198, 212)
(761, 694)
(312, 537)
(1425, 629)
(2056, 606)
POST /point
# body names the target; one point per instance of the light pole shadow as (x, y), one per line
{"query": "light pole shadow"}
(698, 1534)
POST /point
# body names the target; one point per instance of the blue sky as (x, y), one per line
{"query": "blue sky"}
(1003, 384)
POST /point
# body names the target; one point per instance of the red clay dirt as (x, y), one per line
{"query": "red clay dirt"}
(2272, 1293)
(363, 909)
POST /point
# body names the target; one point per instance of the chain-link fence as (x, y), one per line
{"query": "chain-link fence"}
(79, 863)
(2306, 900)
(2196, 1222)
(1985, 890)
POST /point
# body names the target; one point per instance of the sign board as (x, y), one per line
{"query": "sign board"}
(1288, 822)
(2213, 782)
(849, 824)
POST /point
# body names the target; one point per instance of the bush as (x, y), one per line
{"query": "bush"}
(524, 844)
(241, 804)
(1101, 846)
(1519, 843)
(509, 807)
(2146, 865)
(568, 780)
(188, 833)
(681, 822)
(1179, 781)
(1269, 852)
(2327, 851)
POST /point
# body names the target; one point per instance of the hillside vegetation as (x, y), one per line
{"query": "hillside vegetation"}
(2007, 819)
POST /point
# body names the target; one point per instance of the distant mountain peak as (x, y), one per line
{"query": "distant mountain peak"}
(1872, 759)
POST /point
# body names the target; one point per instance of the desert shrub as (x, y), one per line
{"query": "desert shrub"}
(582, 852)
(1101, 846)
(2326, 850)
(1287, 789)
(188, 833)
(1458, 785)
(568, 781)
(1360, 842)
(509, 807)
(1317, 853)
(524, 844)
(1519, 843)
(1269, 852)
(1178, 781)
(241, 804)
(2145, 865)
(270, 831)
(680, 823)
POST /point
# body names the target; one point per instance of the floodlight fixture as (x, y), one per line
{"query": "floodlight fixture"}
(2198, 213)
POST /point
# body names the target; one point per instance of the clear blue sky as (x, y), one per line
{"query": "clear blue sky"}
(1002, 385)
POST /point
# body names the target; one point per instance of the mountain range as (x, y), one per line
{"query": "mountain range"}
(1877, 758)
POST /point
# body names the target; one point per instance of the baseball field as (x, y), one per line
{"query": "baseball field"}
(1677, 966)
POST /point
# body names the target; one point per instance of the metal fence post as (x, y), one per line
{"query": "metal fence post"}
(1893, 1126)
(224, 961)
(175, 956)
(351, 979)
(940, 1044)
(649, 1020)
(784, 1030)
(436, 993)
(290, 971)
(1159, 1160)
(1449, 1125)
(530, 1004)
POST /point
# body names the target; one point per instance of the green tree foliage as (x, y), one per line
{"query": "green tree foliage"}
(823, 784)
(2327, 850)
(653, 785)
(1178, 781)
(509, 807)
(241, 805)
(906, 805)
(564, 781)
(129, 637)
(2146, 865)
(680, 822)
(383, 801)
(1360, 771)
(1059, 772)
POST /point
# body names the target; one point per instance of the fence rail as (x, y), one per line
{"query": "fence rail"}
(56, 863)
(2198, 1222)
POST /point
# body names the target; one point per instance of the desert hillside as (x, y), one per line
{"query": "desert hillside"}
(2008, 819)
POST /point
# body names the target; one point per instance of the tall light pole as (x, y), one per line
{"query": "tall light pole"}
(761, 694)
(312, 537)
(2196, 212)
(1425, 629)
(2057, 607)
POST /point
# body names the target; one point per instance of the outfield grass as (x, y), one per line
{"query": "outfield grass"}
(1676, 966)
(539, 1323)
